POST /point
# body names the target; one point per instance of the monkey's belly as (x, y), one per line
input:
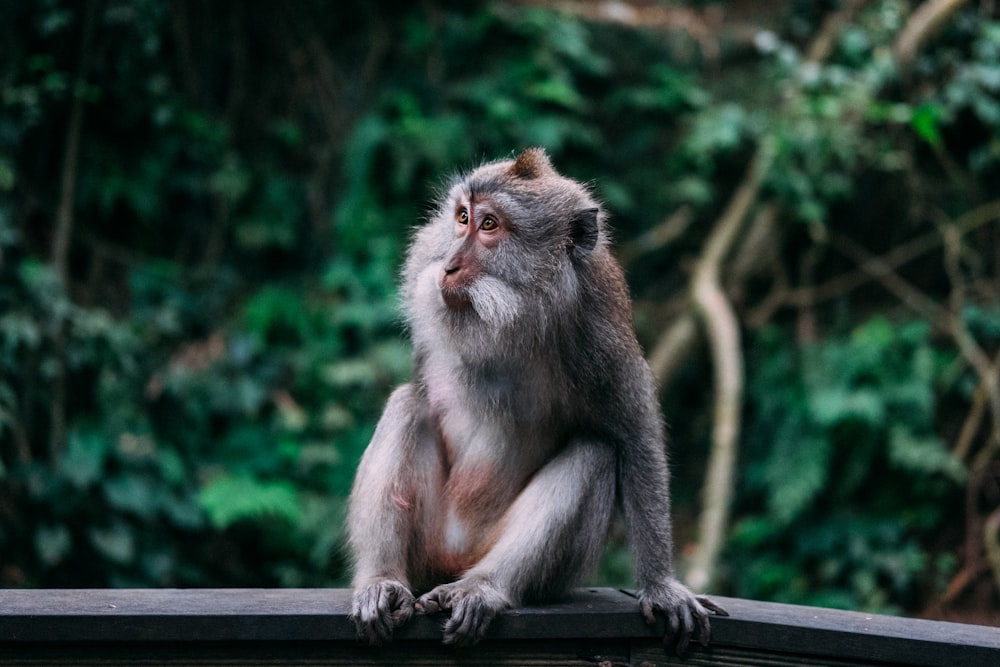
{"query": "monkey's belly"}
(477, 492)
(460, 543)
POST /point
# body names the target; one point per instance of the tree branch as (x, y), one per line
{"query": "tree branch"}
(723, 333)
(898, 256)
(991, 543)
(67, 191)
(928, 18)
(64, 230)
(673, 346)
(712, 305)
(709, 299)
(944, 319)
(658, 237)
(884, 274)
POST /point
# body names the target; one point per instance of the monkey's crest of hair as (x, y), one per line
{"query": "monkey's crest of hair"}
(531, 163)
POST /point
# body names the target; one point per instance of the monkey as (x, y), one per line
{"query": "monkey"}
(493, 475)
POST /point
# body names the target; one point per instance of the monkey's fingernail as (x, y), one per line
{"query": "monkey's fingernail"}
(427, 608)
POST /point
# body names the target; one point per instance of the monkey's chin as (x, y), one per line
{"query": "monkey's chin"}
(488, 302)
(456, 299)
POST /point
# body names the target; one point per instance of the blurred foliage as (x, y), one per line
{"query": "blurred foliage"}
(184, 399)
(846, 473)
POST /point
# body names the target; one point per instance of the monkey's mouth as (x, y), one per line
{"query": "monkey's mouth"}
(456, 298)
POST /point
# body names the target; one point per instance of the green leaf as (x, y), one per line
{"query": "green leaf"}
(797, 471)
(230, 499)
(52, 544)
(754, 532)
(171, 466)
(83, 462)
(131, 493)
(830, 406)
(924, 454)
(350, 373)
(183, 512)
(116, 543)
(926, 122)
(558, 92)
(278, 314)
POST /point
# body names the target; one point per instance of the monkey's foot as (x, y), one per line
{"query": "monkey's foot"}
(379, 607)
(473, 604)
(684, 612)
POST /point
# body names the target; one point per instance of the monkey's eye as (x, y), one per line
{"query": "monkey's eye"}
(489, 224)
(462, 217)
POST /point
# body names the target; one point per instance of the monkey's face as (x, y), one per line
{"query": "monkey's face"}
(479, 227)
(503, 248)
(465, 269)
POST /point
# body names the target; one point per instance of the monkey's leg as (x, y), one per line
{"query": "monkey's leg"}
(646, 500)
(553, 533)
(393, 484)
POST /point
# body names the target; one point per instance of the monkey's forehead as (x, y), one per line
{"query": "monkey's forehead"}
(487, 180)
(496, 181)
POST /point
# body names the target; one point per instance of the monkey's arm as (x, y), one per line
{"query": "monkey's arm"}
(551, 535)
(381, 520)
(645, 493)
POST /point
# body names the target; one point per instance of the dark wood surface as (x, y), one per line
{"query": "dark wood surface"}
(591, 626)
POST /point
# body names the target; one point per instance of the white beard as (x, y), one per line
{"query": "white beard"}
(496, 304)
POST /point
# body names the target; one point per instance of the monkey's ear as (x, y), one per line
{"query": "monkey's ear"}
(531, 163)
(583, 231)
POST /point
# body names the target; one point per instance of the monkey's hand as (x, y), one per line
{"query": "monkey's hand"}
(379, 607)
(684, 612)
(473, 604)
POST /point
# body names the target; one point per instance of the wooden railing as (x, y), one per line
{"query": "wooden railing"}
(591, 627)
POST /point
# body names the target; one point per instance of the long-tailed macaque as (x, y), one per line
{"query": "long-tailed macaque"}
(492, 477)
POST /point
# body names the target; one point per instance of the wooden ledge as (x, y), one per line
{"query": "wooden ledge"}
(592, 626)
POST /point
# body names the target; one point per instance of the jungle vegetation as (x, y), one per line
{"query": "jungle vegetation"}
(204, 205)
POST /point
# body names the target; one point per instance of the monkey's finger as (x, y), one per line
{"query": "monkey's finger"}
(675, 625)
(706, 630)
(682, 643)
(427, 606)
(455, 631)
(399, 596)
(379, 626)
(680, 624)
(401, 615)
(381, 631)
(456, 628)
(458, 631)
(468, 623)
(401, 606)
(371, 617)
(712, 606)
(646, 607)
(374, 631)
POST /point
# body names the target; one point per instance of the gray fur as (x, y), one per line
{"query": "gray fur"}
(491, 478)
